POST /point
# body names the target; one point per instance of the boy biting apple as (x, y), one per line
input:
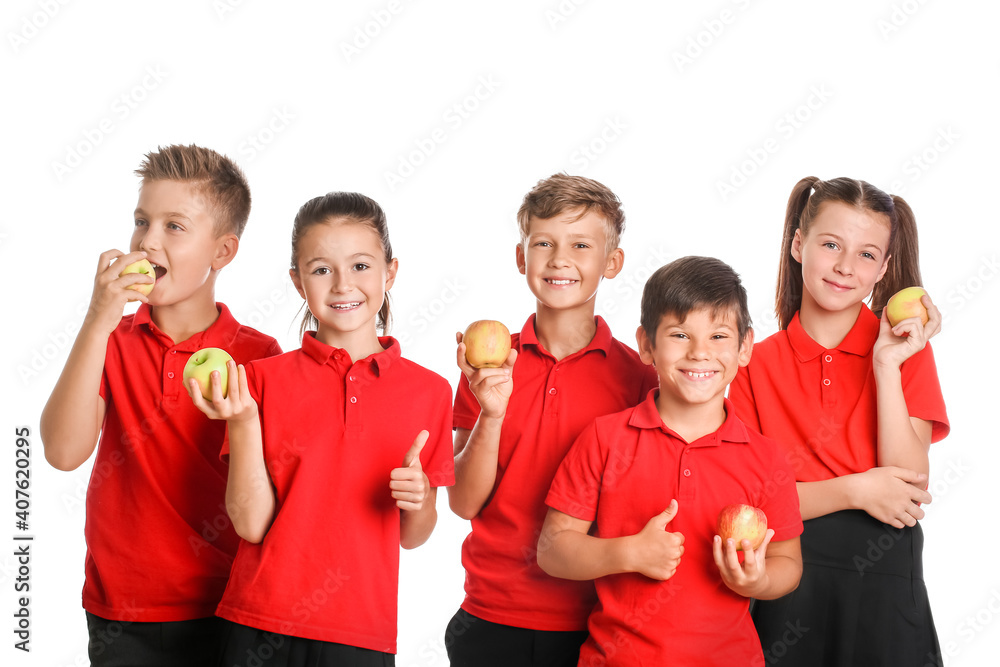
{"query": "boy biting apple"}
(514, 424)
(635, 503)
(159, 542)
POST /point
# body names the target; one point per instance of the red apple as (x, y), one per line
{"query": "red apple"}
(487, 344)
(142, 266)
(200, 367)
(906, 303)
(742, 522)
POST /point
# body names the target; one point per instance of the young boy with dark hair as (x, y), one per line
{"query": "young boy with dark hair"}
(514, 425)
(635, 503)
(159, 541)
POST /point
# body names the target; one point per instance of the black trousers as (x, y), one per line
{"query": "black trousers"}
(249, 647)
(474, 642)
(130, 644)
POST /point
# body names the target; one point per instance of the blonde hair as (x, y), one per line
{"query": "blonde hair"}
(561, 192)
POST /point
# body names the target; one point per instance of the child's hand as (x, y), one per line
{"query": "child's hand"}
(747, 579)
(490, 386)
(891, 495)
(409, 485)
(237, 406)
(655, 552)
(897, 344)
(111, 291)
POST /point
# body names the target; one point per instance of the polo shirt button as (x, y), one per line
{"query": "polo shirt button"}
(687, 472)
(354, 399)
(828, 358)
(351, 378)
(170, 375)
(827, 382)
(552, 391)
(173, 351)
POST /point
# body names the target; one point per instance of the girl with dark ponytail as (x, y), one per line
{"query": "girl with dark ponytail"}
(856, 404)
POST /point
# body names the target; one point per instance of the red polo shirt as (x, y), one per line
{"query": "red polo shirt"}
(159, 541)
(333, 430)
(551, 403)
(622, 471)
(820, 405)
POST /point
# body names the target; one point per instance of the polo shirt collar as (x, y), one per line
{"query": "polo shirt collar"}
(859, 340)
(601, 341)
(646, 416)
(322, 353)
(221, 333)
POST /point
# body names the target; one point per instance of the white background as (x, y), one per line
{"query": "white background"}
(902, 94)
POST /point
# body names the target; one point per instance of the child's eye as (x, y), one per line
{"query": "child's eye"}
(174, 226)
(831, 245)
(679, 335)
(868, 255)
(360, 266)
(321, 271)
(580, 245)
(542, 244)
(139, 222)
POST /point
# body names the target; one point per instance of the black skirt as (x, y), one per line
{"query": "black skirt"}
(861, 602)
(249, 647)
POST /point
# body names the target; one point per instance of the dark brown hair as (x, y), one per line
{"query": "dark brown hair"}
(807, 197)
(561, 192)
(688, 283)
(341, 207)
(214, 175)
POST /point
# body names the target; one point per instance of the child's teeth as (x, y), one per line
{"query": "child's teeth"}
(560, 282)
(699, 375)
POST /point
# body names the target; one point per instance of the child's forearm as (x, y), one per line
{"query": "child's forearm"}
(416, 526)
(569, 554)
(899, 443)
(475, 466)
(783, 575)
(72, 418)
(250, 498)
(825, 497)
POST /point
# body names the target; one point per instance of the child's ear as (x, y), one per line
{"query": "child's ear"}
(616, 260)
(645, 346)
(519, 254)
(294, 275)
(797, 246)
(225, 250)
(390, 273)
(746, 348)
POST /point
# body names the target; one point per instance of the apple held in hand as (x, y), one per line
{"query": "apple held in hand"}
(487, 344)
(906, 303)
(200, 367)
(742, 522)
(144, 267)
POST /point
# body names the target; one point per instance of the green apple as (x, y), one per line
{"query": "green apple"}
(200, 367)
(906, 303)
(144, 267)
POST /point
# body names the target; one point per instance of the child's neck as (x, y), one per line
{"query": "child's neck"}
(691, 422)
(357, 344)
(182, 320)
(827, 328)
(565, 332)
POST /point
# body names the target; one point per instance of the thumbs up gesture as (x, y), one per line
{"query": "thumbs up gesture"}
(655, 552)
(409, 484)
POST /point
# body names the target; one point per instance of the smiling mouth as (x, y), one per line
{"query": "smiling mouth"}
(837, 285)
(559, 282)
(346, 306)
(699, 375)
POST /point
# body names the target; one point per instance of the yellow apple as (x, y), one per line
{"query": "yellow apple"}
(200, 367)
(144, 267)
(742, 522)
(487, 344)
(904, 304)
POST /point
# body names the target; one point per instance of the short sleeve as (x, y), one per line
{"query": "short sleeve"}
(779, 496)
(922, 391)
(255, 393)
(437, 458)
(742, 398)
(576, 486)
(466, 409)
